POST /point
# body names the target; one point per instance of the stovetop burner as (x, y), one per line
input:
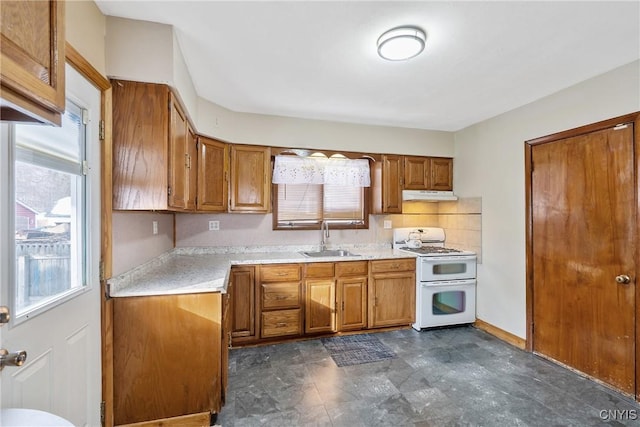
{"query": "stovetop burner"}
(432, 250)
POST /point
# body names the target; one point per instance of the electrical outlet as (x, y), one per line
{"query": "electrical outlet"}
(387, 224)
(214, 225)
(155, 227)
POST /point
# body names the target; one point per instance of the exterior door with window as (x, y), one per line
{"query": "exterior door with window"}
(49, 254)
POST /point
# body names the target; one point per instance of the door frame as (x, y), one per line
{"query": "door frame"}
(528, 147)
(84, 67)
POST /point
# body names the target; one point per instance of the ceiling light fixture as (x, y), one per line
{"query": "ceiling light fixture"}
(401, 43)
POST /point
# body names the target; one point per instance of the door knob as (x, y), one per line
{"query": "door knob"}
(12, 359)
(623, 279)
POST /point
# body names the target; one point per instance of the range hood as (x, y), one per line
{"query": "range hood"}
(428, 196)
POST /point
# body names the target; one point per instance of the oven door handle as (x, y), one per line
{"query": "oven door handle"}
(439, 283)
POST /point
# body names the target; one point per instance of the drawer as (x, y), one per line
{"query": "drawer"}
(351, 268)
(319, 269)
(389, 265)
(280, 295)
(280, 323)
(279, 273)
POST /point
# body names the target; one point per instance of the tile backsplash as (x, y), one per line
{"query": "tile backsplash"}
(462, 221)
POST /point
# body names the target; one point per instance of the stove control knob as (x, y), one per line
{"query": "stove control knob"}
(623, 279)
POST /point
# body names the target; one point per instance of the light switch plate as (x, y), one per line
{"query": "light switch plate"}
(155, 227)
(387, 224)
(214, 225)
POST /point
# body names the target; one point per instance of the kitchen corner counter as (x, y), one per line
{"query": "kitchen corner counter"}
(206, 269)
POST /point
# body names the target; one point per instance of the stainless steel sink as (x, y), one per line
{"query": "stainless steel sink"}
(329, 253)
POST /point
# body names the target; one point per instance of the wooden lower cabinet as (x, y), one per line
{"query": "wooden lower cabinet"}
(352, 303)
(272, 302)
(281, 301)
(320, 305)
(243, 303)
(392, 293)
(352, 295)
(170, 359)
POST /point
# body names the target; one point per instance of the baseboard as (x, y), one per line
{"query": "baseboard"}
(500, 333)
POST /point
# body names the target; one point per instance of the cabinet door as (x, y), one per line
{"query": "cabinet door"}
(32, 60)
(224, 348)
(416, 173)
(178, 158)
(320, 306)
(441, 174)
(250, 178)
(352, 303)
(213, 163)
(192, 169)
(140, 145)
(392, 174)
(243, 302)
(392, 299)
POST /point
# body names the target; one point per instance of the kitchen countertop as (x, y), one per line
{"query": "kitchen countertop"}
(197, 270)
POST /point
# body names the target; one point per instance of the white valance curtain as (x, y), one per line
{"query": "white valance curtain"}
(320, 170)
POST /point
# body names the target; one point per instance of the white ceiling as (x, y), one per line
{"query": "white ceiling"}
(318, 59)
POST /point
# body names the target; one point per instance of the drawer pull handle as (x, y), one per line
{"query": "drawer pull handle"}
(280, 325)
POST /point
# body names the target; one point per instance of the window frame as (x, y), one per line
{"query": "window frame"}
(34, 157)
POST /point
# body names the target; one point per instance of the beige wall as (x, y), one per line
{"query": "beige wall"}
(133, 240)
(219, 122)
(489, 162)
(85, 30)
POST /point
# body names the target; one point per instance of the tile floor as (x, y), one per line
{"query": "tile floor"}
(446, 377)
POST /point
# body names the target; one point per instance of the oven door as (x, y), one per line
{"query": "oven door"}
(450, 302)
(458, 267)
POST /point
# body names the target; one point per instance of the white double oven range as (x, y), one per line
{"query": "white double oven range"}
(445, 278)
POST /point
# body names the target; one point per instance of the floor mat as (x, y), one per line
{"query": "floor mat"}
(356, 349)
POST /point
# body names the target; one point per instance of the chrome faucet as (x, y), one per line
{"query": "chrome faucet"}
(324, 235)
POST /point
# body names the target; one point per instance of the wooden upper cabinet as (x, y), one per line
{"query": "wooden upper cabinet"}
(250, 179)
(153, 157)
(441, 173)
(416, 173)
(428, 173)
(178, 157)
(213, 166)
(386, 187)
(192, 169)
(32, 59)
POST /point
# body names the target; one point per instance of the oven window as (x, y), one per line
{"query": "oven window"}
(453, 268)
(448, 302)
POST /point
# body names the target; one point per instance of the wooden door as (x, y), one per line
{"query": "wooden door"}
(416, 173)
(213, 164)
(320, 305)
(352, 303)
(583, 220)
(243, 302)
(178, 158)
(250, 178)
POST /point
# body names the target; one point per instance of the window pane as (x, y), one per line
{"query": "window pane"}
(299, 203)
(343, 203)
(49, 219)
(48, 236)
